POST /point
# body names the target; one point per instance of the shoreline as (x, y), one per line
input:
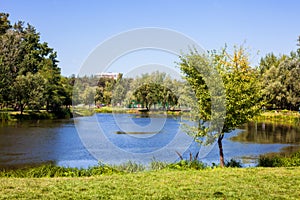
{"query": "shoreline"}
(283, 117)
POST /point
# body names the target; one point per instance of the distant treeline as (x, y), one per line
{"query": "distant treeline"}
(31, 78)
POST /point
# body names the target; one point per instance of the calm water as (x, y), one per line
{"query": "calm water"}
(84, 141)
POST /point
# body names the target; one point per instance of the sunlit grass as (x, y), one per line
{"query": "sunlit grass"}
(281, 117)
(227, 183)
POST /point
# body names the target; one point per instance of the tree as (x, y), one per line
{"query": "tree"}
(145, 95)
(152, 93)
(242, 98)
(288, 75)
(65, 90)
(4, 23)
(28, 91)
(22, 53)
(89, 96)
(298, 44)
(280, 81)
(270, 60)
(10, 57)
(120, 90)
(104, 91)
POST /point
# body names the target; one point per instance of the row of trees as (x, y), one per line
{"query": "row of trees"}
(29, 74)
(278, 75)
(156, 90)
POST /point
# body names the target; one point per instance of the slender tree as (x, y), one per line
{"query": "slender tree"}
(241, 89)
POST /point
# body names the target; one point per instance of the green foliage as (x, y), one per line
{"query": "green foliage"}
(187, 164)
(130, 167)
(4, 23)
(282, 117)
(35, 115)
(275, 160)
(220, 79)
(233, 163)
(104, 110)
(29, 75)
(4, 116)
(158, 165)
(56, 171)
(29, 90)
(89, 96)
(152, 93)
(82, 111)
(279, 75)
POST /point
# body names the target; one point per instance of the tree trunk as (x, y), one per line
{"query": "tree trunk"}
(222, 162)
(47, 106)
(21, 108)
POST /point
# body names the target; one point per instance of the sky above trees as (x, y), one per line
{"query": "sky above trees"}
(75, 28)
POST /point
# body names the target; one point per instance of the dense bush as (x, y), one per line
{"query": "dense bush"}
(186, 164)
(279, 161)
(233, 163)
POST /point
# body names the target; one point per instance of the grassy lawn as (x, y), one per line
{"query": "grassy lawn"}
(229, 183)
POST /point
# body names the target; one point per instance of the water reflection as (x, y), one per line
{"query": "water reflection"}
(269, 133)
(37, 142)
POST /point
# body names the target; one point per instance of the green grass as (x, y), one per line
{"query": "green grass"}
(282, 117)
(227, 183)
(50, 170)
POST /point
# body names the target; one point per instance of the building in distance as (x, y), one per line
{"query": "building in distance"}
(112, 75)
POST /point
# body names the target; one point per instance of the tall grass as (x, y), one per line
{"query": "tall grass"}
(4, 116)
(51, 170)
(130, 167)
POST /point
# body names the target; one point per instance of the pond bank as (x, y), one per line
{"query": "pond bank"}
(282, 117)
(6, 116)
(58, 140)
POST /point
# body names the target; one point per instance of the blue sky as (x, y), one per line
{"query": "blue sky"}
(75, 28)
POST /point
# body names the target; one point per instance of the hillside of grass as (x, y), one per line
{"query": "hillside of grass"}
(227, 183)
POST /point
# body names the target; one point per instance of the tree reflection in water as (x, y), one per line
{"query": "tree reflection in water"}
(269, 133)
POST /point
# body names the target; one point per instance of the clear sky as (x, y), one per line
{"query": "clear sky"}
(75, 27)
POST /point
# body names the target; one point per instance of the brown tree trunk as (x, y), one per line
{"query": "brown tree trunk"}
(222, 162)
(22, 108)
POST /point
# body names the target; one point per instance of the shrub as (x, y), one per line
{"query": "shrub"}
(186, 164)
(279, 161)
(4, 116)
(130, 167)
(158, 165)
(233, 163)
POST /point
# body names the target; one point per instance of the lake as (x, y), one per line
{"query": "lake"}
(118, 138)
